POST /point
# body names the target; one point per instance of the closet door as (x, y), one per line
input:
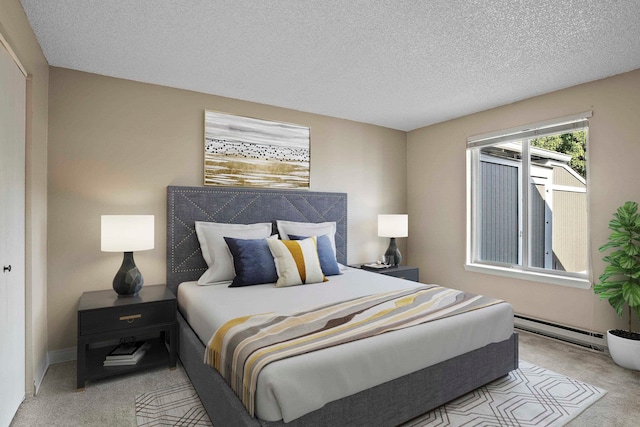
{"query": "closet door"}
(12, 237)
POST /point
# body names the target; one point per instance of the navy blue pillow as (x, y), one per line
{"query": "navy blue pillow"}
(328, 262)
(252, 261)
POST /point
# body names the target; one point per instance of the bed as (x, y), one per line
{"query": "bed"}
(405, 392)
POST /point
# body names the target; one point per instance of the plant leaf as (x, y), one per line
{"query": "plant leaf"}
(631, 293)
(614, 269)
(631, 249)
(608, 246)
(620, 237)
(617, 302)
(615, 224)
(611, 284)
(630, 207)
(628, 263)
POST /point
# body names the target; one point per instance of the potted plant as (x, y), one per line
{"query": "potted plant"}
(620, 282)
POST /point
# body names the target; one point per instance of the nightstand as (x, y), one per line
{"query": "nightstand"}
(104, 318)
(401, 271)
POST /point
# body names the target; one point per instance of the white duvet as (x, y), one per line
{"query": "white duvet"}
(293, 387)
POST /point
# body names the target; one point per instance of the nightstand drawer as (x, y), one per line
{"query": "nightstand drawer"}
(408, 274)
(402, 271)
(126, 317)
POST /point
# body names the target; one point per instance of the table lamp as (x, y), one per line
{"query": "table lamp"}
(127, 233)
(393, 226)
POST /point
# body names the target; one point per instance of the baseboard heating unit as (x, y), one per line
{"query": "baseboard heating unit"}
(580, 337)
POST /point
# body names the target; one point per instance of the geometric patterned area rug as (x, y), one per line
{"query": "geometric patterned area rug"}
(528, 396)
(178, 405)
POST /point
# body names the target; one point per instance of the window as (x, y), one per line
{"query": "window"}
(527, 196)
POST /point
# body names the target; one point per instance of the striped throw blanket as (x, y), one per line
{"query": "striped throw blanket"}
(241, 347)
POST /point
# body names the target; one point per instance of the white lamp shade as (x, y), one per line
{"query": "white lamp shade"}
(396, 225)
(127, 233)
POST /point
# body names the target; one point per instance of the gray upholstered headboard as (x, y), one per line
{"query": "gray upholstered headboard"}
(235, 205)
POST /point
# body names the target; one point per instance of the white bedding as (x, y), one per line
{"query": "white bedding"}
(292, 387)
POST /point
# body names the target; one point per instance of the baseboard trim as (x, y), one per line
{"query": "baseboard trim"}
(62, 355)
(39, 375)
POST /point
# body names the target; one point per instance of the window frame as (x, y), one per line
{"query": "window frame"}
(473, 154)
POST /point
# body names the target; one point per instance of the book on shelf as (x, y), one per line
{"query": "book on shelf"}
(123, 352)
(133, 360)
(127, 360)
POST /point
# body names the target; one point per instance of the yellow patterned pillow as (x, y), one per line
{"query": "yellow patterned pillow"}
(296, 261)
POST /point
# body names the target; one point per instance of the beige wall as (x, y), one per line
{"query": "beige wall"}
(437, 194)
(114, 146)
(16, 30)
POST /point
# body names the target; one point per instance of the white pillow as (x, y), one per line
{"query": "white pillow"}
(296, 262)
(308, 229)
(215, 250)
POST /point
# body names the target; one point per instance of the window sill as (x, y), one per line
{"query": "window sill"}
(574, 282)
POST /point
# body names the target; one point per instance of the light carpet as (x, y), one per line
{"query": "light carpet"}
(528, 396)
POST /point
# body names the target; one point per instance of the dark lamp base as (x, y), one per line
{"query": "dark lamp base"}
(392, 254)
(128, 280)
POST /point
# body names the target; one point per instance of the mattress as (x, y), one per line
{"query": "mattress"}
(290, 388)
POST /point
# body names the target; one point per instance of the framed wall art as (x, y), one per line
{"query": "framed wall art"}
(248, 152)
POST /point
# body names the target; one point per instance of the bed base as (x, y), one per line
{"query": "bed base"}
(388, 404)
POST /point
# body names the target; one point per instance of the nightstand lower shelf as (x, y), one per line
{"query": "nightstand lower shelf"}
(156, 355)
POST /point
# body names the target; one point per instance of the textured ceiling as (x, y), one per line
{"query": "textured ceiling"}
(399, 64)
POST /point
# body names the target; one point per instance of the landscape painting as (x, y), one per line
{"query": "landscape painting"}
(248, 152)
